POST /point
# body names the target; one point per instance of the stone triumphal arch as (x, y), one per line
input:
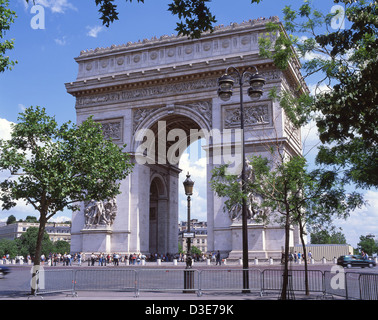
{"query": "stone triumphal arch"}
(156, 96)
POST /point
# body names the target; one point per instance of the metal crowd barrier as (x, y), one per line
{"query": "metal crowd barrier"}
(105, 280)
(228, 280)
(54, 281)
(272, 280)
(185, 280)
(368, 284)
(350, 285)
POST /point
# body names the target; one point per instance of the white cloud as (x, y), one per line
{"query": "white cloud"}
(22, 209)
(189, 162)
(61, 42)
(94, 31)
(362, 221)
(319, 88)
(5, 129)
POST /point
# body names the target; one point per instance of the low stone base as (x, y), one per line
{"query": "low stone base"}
(261, 255)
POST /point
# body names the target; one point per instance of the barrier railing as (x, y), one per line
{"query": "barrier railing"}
(273, 279)
(228, 280)
(105, 280)
(54, 281)
(185, 280)
(350, 285)
(368, 284)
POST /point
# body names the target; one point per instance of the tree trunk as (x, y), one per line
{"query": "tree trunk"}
(301, 232)
(38, 250)
(285, 276)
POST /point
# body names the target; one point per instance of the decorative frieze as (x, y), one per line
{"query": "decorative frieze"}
(113, 129)
(259, 114)
(146, 92)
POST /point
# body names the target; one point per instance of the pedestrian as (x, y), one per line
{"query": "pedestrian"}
(79, 258)
(309, 256)
(93, 258)
(218, 258)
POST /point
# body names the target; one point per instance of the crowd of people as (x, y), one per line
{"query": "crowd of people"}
(103, 259)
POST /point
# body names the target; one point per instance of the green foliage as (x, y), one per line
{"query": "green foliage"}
(58, 166)
(8, 247)
(368, 245)
(287, 187)
(61, 246)
(27, 243)
(11, 219)
(345, 61)
(7, 17)
(196, 14)
(54, 167)
(325, 237)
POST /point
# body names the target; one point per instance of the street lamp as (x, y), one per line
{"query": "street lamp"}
(255, 91)
(188, 185)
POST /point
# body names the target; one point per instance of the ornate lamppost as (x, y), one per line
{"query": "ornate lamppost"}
(255, 91)
(188, 273)
(188, 185)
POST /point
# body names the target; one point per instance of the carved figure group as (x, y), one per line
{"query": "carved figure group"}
(100, 212)
(253, 202)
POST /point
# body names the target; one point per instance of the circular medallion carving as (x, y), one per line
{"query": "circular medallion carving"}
(207, 46)
(188, 49)
(137, 58)
(225, 44)
(153, 55)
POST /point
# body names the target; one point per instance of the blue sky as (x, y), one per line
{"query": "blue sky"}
(46, 62)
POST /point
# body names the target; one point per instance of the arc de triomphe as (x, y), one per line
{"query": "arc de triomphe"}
(146, 90)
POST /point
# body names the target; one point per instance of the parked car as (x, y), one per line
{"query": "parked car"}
(350, 261)
(3, 271)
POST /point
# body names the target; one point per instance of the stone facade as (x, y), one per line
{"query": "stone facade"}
(170, 83)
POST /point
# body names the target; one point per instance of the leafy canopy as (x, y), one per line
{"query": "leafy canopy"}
(53, 167)
(7, 17)
(345, 62)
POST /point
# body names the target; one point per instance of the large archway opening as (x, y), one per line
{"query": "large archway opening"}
(178, 138)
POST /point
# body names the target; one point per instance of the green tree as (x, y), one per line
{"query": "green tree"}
(32, 219)
(54, 167)
(11, 219)
(293, 195)
(10, 247)
(345, 62)
(325, 237)
(367, 244)
(7, 17)
(27, 243)
(61, 246)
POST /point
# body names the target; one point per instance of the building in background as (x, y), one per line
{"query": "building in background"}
(56, 231)
(200, 230)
